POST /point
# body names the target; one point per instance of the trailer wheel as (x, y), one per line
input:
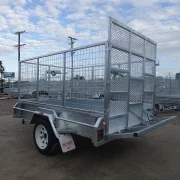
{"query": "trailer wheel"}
(53, 73)
(44, 138)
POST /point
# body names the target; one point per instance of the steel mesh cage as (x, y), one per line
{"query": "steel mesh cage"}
(115, 78)
(73, 79)
(167, 90)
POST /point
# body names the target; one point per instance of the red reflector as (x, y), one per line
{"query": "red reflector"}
(100, 133)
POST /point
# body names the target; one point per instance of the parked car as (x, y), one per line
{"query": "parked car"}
(33, 94)
(98, 96)
(41, 93)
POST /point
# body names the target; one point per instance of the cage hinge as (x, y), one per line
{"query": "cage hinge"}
(106, 112)
(108, 47)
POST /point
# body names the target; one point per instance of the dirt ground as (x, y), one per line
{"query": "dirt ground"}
(6, 106)
(155, 156)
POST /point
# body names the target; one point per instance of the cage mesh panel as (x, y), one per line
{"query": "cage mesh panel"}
(148, 100)
(150, 50)
(87, 82)
(160, 83)
(118, 105)
(133, 120)
(137, 44)
(119, 84)
(119, 59)
(43, 82)
(115, 125)
(149, 67)
(28, 82)
(136, 89)
(120, 36)
(167, 87)
(175, 84)
(84, 79)
(148, 83)
(119, 80)
(136, 66)
(167, 83)
(52, 60)
(55, 86)
(51, 77)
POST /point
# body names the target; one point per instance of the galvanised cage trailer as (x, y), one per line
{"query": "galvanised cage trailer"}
(102, 91)
(167, 93)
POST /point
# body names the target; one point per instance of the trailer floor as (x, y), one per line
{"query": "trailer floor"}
(156, 156)
(85, 104)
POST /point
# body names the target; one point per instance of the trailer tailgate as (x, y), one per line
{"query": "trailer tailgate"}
(141, 130)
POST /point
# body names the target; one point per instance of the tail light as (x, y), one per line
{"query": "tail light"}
(100, 135)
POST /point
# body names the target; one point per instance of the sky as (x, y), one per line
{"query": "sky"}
(48, 23)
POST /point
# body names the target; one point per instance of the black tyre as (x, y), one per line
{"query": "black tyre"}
(53, 73)
(44, 138)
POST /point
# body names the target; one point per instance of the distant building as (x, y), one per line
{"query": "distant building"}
(177, 75)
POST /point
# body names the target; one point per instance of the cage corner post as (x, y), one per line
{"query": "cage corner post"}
(64, 79)
(129, 81)
(37, 83)
(19, 80)
(107, 77)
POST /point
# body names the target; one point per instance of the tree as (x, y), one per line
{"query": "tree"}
(2, 69)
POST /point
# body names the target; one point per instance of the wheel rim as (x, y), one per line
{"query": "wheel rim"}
(41, 136)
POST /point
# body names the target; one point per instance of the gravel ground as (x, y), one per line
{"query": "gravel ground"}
(171, 113)
(155, 156)
(6, 106)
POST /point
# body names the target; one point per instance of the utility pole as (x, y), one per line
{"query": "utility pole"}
(19, 45)
(170, 86)
(19, 58)
(72, 41)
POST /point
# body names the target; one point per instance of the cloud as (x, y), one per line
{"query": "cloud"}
(50, 22)
(12, 2)
(75, 16)
(39, 12)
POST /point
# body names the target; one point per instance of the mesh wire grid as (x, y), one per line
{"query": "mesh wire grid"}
(142, 55)
(136, 66)
(150, 50)
(134, 120)
(116, 125)
(119, 36)
(80, 75)
(28, 82)
(137, 44)
(83, 78)
(167, 87)
(86, 81)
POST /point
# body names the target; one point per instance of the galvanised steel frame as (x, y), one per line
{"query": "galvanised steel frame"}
(122, 74)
